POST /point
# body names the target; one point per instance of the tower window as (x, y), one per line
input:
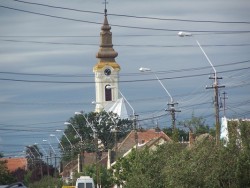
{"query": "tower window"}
(108, 94)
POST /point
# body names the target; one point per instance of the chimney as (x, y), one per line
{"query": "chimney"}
(191, 138)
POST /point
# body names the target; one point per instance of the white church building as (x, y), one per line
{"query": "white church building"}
(107, 76)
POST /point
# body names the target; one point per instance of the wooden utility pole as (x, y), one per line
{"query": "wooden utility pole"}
(216, 87)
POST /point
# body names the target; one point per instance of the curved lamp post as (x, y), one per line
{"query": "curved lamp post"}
(172, 104)
(134, 115)
(53, 135)
(80, 167)
(215, 87)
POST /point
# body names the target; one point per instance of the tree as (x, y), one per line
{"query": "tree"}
(104, 175)
(182, 134)
(204, 164)
(5, 175)
(197, 125)
(36, 165)
(47, 181)
(98, 125)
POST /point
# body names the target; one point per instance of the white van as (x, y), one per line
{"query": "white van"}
(85, 182)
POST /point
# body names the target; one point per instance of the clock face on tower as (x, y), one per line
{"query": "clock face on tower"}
(107, 72)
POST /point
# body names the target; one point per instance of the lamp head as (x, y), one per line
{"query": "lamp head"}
(184, 34)
(110, 87)
(79, 113)
(144, 69)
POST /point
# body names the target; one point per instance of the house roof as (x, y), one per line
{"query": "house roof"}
(144, 136)
(14, 163)
(89, 159)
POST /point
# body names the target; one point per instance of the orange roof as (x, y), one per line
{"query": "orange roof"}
(15, 163)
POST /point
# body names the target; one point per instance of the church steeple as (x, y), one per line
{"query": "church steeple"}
(106, 53)
(106, 70)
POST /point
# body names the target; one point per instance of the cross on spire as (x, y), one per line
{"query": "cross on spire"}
(105, 9)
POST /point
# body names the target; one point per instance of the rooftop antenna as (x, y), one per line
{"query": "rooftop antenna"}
(105, 7)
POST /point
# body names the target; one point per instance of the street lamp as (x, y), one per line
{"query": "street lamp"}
(95, 140)
(186, 34)
(41, 167)
(134, 115)
(58, 130)
(44, 140)
(80, 167)
(47, 157)
(172, 109)
(86, 119)
(53, 135)
(143, 69)
(215, 87)
(68, 123)
(114, 130)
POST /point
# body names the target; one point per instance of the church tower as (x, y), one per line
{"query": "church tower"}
(106, 70)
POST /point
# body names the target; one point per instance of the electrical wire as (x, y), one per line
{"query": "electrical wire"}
(127, 74)
(138, 17)
(128, 45)
(121, 81)
(126, 26)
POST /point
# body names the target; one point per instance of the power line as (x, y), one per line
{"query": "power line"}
(126, 45)
(121, 81)
(125, 74)
(126, 26)
(138, 17)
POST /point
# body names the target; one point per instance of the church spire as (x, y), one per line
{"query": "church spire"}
(106, 53)
(106, 70)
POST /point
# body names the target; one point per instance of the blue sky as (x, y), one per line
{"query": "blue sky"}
(42, 82)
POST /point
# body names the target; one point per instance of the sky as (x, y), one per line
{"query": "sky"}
(48, 48)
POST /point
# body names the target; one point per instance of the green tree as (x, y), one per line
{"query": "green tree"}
(204, 164)
(197, 125)
(99, 125)
(182, 134)
(46, 182)
(5, 175)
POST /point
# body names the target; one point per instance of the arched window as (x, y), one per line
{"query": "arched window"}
(108, 93)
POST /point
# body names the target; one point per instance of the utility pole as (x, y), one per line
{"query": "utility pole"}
(135, 130)
(224, 103)
(172, 110)
(216, 87)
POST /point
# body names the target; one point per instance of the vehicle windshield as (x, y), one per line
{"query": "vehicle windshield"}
(82, 185)
(89, 185)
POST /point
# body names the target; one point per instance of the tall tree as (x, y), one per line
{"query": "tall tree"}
(107, 127)
(5, 175)
(197, 125)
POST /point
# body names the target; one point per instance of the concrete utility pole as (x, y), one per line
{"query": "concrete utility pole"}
(216, 87)
(224, 103)
(172, 110)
